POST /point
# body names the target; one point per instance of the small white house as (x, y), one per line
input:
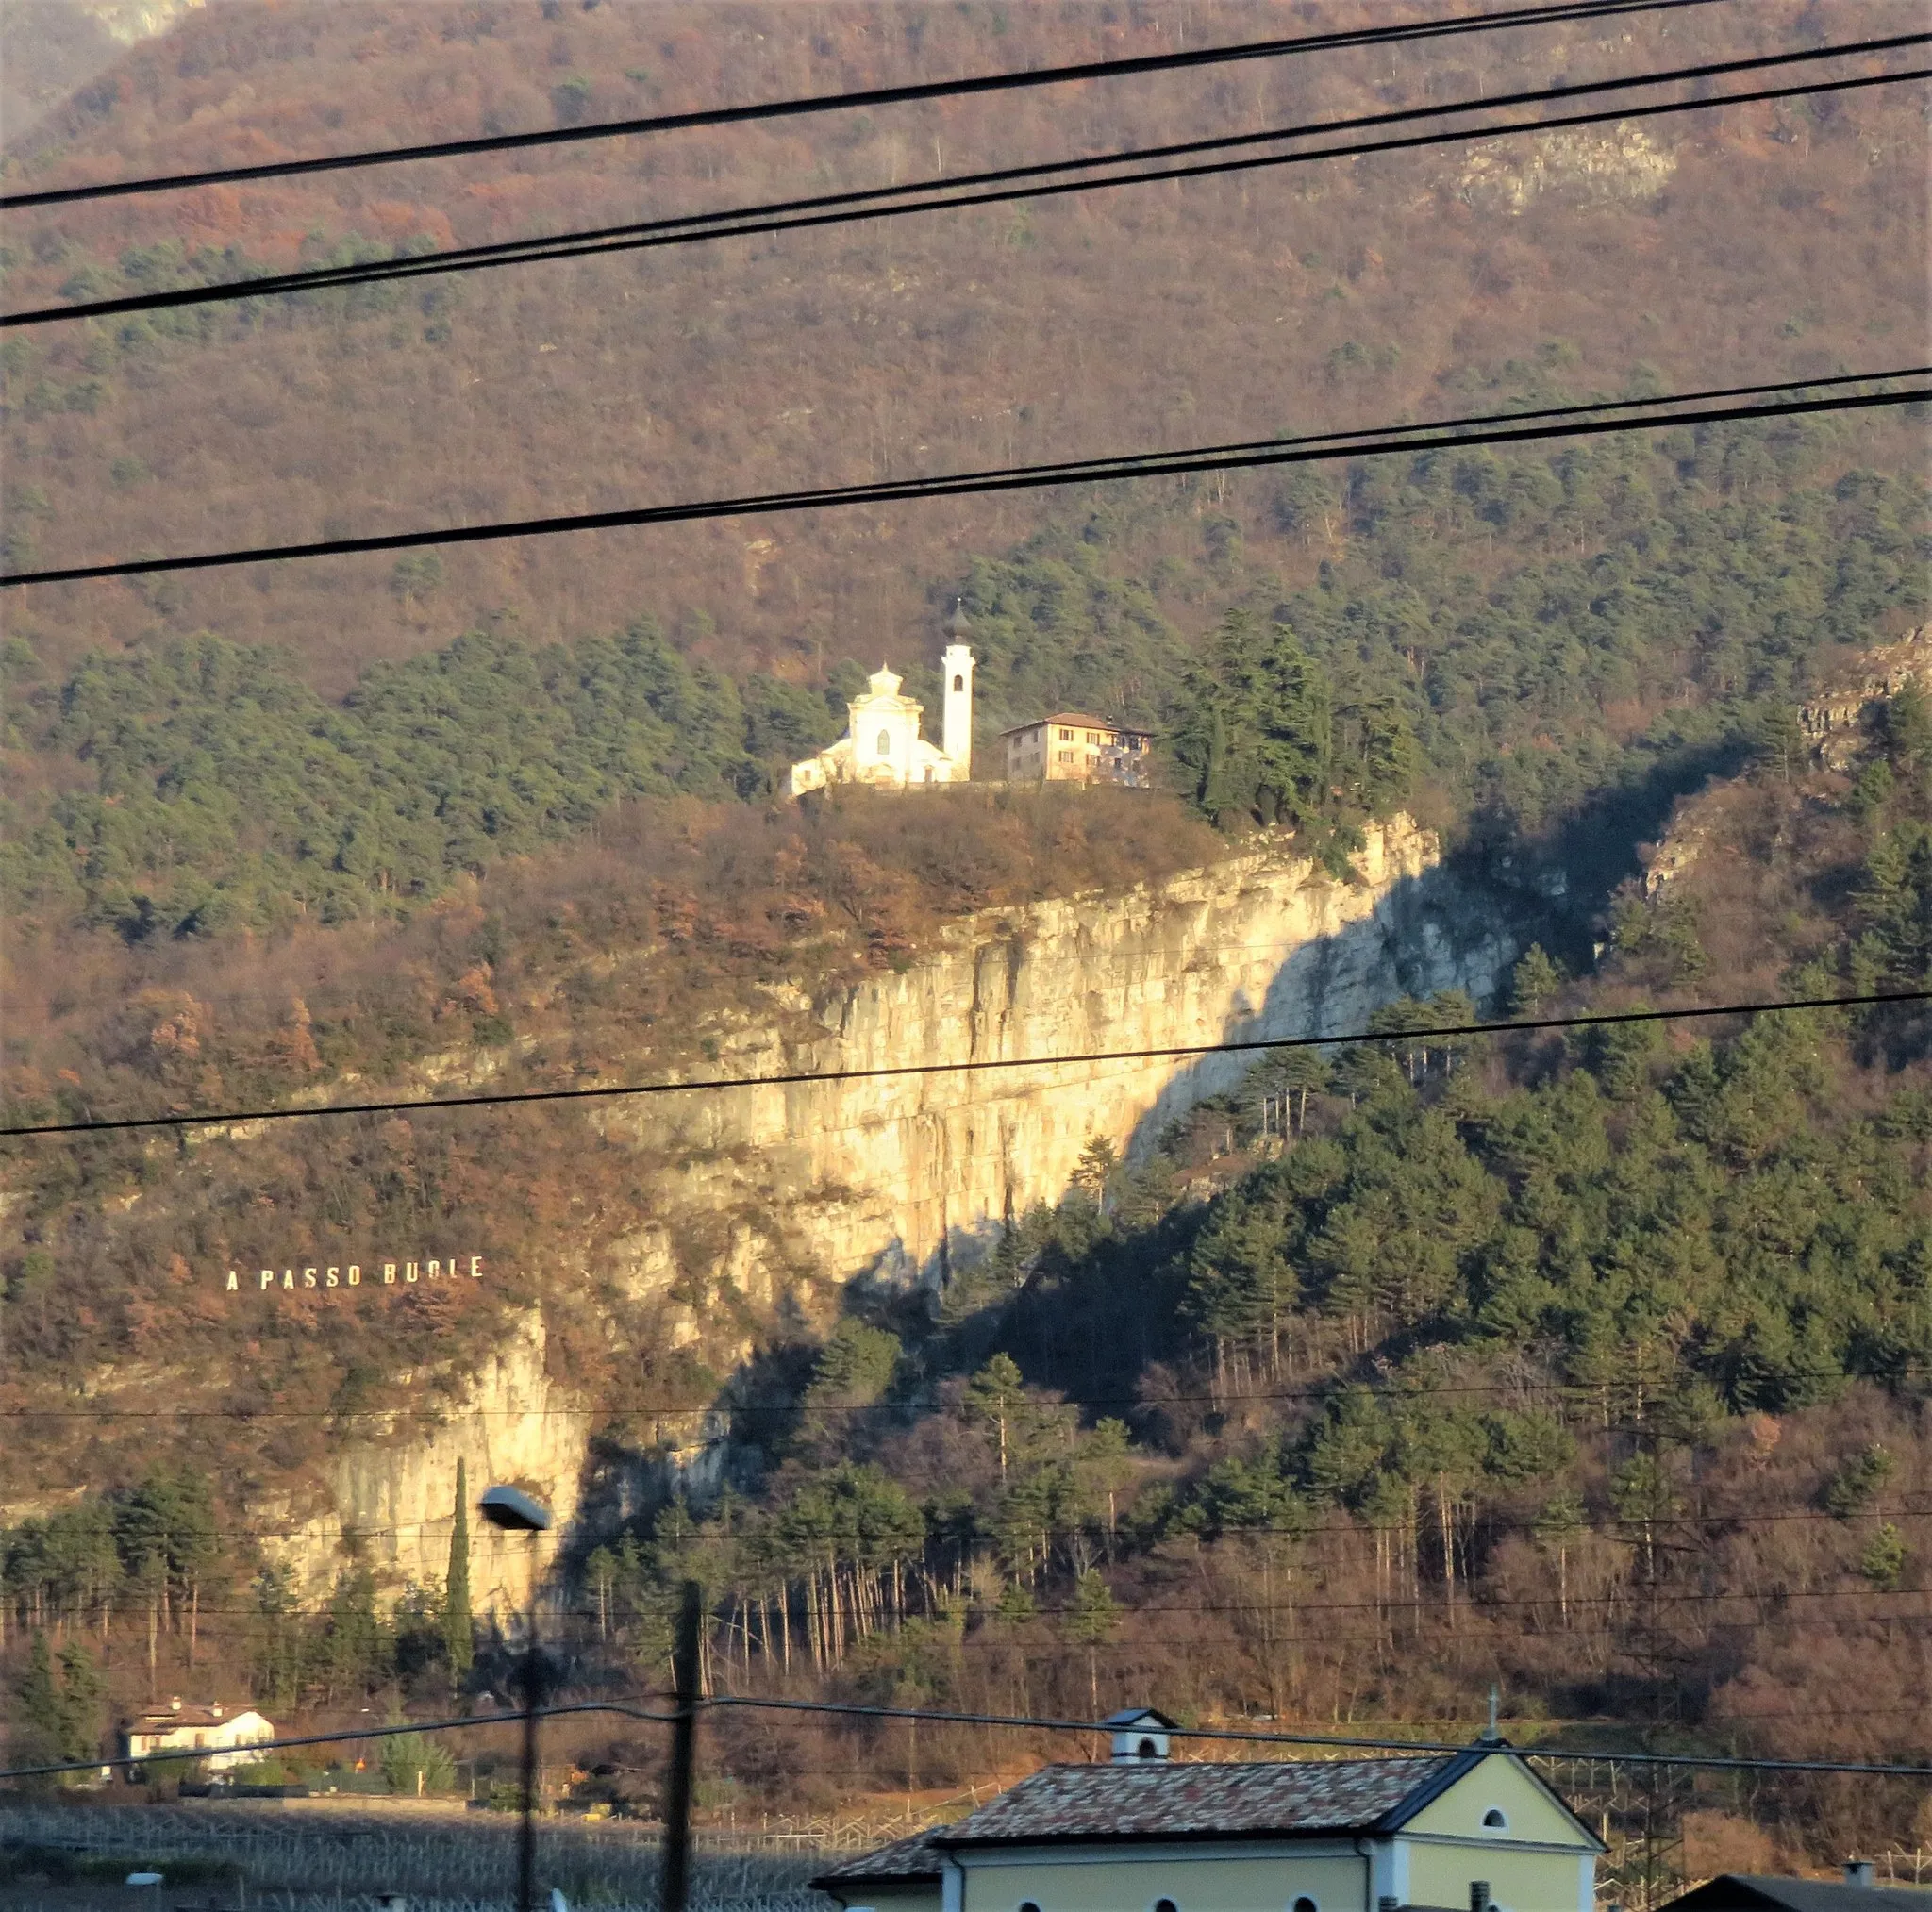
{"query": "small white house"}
(209, 1732)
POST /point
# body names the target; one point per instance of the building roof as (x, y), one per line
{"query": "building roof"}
(1080, 720)
(913, 1861)
(172, 1718)
(1083, 719)
(1195, 1799)
(1752, 1892)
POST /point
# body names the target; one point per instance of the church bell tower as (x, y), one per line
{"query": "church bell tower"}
(955, 665)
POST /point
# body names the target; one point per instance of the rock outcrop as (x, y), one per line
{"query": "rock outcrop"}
(1834, 720)
(767, 1196)
(1837, 725)
(391, 1494)
(897, 1176)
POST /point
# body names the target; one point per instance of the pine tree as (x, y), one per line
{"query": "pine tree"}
(82, 1690)
(993, 1397)
(1534, 981)
(459, 1627)
(39, 1698)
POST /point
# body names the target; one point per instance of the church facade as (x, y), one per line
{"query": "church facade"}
(882, 745)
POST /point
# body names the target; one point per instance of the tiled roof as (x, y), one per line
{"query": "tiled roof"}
(1080, 720)
(910, 1860)
(1197, 1800)
(1749, 1892)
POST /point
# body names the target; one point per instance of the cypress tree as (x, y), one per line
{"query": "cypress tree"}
(458, 1631)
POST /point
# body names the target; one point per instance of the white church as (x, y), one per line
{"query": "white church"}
(882, 745)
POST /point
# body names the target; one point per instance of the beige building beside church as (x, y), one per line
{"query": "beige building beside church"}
(1474, 1831)
(1070, 747)
(882, 745)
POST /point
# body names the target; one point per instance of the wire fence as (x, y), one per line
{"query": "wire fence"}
(261, 1855)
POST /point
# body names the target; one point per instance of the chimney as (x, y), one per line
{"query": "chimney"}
(1860, 1872)
(216, 1709)
(173, 1703)
(1478, 1895)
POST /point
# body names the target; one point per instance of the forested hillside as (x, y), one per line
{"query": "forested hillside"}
(1652, 607)
(1595, 1365)
(1591, 1365)
(1713, 249)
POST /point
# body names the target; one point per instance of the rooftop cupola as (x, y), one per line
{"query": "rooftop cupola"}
(1140, 1736)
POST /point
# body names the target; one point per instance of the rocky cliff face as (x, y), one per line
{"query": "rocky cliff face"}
(1837, 725)
(762, 1197)
(394, 1493)
(899, 1176)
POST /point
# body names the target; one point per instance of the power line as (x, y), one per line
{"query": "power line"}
(967, 484)
(1244, 1737)
(892, 201)
(1580, 1392)
(723, 1702)
(1581, 12)
(354, 1533)
(510, 1098)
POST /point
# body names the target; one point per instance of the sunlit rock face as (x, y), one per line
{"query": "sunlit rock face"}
(389, 1496)
(899, 1176)
(759, 1200)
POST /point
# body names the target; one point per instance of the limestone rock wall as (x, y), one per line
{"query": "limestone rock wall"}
(897, 1175)
(395, 1491)
(752, 1198)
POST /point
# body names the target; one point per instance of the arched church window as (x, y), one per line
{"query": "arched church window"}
(884, 744)
(958, 682)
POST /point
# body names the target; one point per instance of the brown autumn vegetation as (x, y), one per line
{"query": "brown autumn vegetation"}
(1328, 294)
(1317, 297)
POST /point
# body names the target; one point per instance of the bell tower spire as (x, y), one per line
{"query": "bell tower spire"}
(956, 664)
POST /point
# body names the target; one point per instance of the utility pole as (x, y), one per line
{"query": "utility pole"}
(515, 1512)
(675, 1893)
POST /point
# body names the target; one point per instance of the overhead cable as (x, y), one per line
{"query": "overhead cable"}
(512, 1098)
(1692, 1760)
(1027, 1723)
(1577, 12)
(878, 202)
(1392, 440)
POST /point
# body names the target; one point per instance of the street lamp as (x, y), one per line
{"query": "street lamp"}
(515, 1512)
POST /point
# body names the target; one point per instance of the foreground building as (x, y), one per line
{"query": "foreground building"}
(208, 1732)
(1072, 747)
(882, 745)
(1465, 1832)
(1857, 1891)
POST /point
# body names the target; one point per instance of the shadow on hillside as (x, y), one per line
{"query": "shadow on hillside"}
(1450, 928)
(1595, 846)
